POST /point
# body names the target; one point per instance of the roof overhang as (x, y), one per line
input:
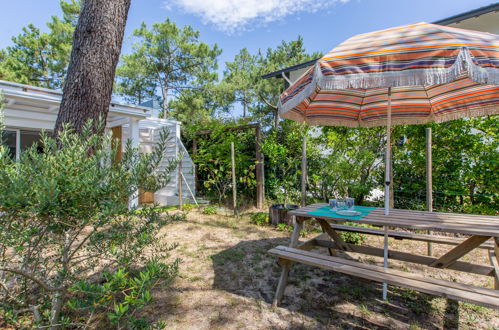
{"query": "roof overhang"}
(486, 13)
(280, 73)
(29, 107)
(50, 99)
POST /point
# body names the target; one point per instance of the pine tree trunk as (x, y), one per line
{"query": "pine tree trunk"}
(95, 54)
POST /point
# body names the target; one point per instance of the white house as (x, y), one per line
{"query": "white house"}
(28, 110)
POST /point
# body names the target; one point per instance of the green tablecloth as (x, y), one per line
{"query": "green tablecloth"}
(325, 212)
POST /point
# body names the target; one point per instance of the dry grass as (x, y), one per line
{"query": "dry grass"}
(228, 281)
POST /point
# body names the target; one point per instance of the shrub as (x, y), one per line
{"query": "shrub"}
(122, 292)
(284, 227)
(187, 207)
(177, 217)
(260, 218)
(210, 209)
(353, 238)
(64, 218)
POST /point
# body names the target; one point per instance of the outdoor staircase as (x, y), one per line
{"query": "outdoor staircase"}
(149, 136)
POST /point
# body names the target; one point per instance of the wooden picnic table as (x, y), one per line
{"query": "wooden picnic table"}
(483, 233)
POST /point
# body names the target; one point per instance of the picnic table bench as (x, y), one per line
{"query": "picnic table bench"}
(483, 233)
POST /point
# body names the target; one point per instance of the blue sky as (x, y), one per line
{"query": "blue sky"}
(234, 24)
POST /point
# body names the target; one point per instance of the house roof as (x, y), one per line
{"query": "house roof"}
(469, 14)
(279, 73)
(446, 21)
(52, 98)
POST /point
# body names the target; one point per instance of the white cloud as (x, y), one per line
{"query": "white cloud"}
(237, 15)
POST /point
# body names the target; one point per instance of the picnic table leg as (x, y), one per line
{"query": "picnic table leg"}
(459, 251)
(286, 267)
(332, 252)
(385, 260)
(333, 235)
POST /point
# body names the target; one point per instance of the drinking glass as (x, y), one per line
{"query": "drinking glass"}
(341, 204)
(333, 204)
(350, 203)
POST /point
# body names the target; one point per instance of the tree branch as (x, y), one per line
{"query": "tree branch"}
(32, 278)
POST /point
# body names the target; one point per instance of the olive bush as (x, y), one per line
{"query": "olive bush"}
(65, 220)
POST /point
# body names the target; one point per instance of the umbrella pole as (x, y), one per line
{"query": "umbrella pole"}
(388, 161)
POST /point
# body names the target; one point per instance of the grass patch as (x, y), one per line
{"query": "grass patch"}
(228, 256)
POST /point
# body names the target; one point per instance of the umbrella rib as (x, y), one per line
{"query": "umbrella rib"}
(432, 114)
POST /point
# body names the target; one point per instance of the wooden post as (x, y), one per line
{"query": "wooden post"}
(194, 153)
(234, 191)
(259, 169)
(429, 181)
(283, 279)
(179, 183)
(496, 264)
(304, 172)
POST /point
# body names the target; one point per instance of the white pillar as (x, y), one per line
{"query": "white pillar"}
(134, 137)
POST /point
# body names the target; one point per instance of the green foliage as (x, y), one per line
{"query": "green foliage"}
(134, 82)
(122, 293)
(187, 207)
(465, 166)
(201, 106)
(242, 75)
(284, 227)
(283, 152)
(286, 54)
(345, 162)
(260, 218)
(353, 238)
(168, 58)
(214, 164)
(64, 215)
(210, 210)
(41, 58)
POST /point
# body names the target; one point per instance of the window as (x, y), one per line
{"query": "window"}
(20, 140)
(10, 140)
(28, 138)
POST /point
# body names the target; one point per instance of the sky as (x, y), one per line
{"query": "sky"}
(254, 24)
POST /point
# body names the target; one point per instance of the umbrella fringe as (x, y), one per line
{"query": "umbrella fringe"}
(381, 121)
(463, 66)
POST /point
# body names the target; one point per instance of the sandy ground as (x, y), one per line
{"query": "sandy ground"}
(227, 281)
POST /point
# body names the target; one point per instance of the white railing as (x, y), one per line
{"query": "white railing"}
(187, 162)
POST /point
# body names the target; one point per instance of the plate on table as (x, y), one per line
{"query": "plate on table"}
(348, 213)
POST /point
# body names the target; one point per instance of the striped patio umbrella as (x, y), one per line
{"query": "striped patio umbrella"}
(410, 74)
(437, 73)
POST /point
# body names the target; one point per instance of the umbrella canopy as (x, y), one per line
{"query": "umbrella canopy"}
(436, 73)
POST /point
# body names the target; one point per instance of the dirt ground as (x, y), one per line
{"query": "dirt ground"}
(227, 281)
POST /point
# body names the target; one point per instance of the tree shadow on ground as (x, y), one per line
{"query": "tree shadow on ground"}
(333, 299)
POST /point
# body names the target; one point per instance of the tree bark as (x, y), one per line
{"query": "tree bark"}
(96, 49)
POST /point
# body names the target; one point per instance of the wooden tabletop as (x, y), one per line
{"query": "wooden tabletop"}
(471, 224)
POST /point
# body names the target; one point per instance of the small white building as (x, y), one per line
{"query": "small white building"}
(28, 110)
